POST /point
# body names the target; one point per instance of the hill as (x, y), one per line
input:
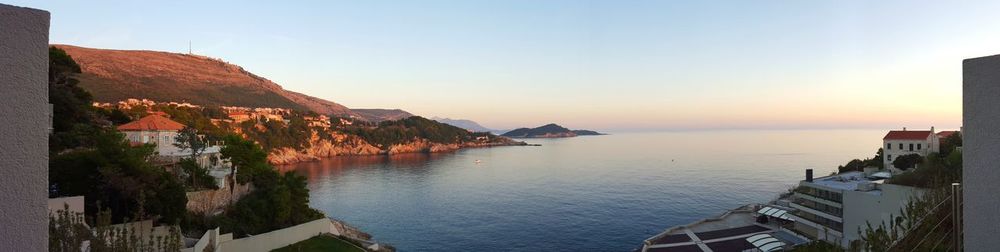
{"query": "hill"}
(465, 124)
(551, 130)
(546, 131)
(115, 75)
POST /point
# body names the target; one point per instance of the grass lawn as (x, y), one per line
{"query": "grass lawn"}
(320, 243)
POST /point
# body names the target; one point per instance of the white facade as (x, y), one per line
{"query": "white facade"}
(835, 208)
(163, 139)
(894, 147)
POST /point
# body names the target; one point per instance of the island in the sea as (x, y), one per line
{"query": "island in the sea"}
(551, 130)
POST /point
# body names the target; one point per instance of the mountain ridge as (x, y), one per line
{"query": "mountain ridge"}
(466, 124)
(112, 75)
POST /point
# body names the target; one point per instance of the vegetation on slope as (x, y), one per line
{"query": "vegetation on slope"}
(402, 131)
(278, 200)
(90, 158)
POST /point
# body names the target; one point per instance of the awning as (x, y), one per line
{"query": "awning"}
(775, 212)
(765, 242)
(881, 175)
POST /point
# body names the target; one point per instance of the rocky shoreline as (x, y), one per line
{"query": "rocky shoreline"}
(346, 145)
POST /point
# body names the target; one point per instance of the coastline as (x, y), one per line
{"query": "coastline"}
(325, 149)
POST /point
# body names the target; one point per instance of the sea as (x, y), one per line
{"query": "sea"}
(587, 193)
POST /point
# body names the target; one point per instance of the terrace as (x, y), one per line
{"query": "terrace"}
(727, 232)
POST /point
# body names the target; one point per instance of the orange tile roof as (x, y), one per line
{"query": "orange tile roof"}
(907, 135)
(946, 134)
(151, 123)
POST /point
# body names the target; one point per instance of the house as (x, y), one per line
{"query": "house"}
(836, 208)
(897, 143)
(945, 134)
(162, 132)
(239, 116)
(154, 129)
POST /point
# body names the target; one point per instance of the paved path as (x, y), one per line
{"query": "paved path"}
(697, 240)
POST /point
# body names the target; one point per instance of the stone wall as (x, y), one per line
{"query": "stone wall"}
(215, 201)
(981, 143)
(24, 58)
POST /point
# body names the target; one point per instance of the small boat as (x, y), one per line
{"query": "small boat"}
(479, 161)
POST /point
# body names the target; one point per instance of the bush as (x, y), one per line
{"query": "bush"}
(908, 161)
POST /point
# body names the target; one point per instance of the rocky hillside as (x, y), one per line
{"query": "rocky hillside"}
(115, 75)
(352, 145)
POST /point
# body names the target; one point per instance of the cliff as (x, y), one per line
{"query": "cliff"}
(349, 145)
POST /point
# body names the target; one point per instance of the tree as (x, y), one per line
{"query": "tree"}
(197, 176)
(950, 143)
(859, 165)
(118, 176)
(907, 161)
(188, 139)
(244, 155)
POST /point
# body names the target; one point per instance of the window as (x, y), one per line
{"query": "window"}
(889, 157)
(888, 146)
(920, 146)
(900, 146)
(911, 147)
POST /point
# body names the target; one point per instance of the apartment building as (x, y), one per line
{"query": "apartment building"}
(835, 208)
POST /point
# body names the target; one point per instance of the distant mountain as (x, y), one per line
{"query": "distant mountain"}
(115, 75)
(551, 130)
(465, 124)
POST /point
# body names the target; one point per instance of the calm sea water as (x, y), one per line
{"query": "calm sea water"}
(594, 193)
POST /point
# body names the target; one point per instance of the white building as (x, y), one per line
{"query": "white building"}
(897, 143)
(162, 132)
(835, 208)
(154, 129)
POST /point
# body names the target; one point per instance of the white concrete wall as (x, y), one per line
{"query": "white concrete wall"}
(861, 208)
(280, 238)
(24, 58)
(164, 140)
(981, 143)
(931, 144)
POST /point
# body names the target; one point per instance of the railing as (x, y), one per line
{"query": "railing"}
(827, 209)
(939, 230)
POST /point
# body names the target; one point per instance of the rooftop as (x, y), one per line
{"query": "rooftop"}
(945, 134)
(151, 123)
(848, 181)
(907, 135)
(727, 232)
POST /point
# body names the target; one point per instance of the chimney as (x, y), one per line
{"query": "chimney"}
(904, 128)
(809, 175)
(932, 129)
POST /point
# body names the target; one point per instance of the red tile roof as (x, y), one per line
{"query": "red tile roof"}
(151, 122)
(945, 134)
(907, 135)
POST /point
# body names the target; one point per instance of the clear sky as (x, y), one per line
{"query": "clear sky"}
(613, 65)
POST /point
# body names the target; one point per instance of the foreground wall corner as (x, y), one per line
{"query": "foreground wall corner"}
(24, 39)
(981, 164)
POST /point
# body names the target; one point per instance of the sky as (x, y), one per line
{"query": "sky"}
(606, 65)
